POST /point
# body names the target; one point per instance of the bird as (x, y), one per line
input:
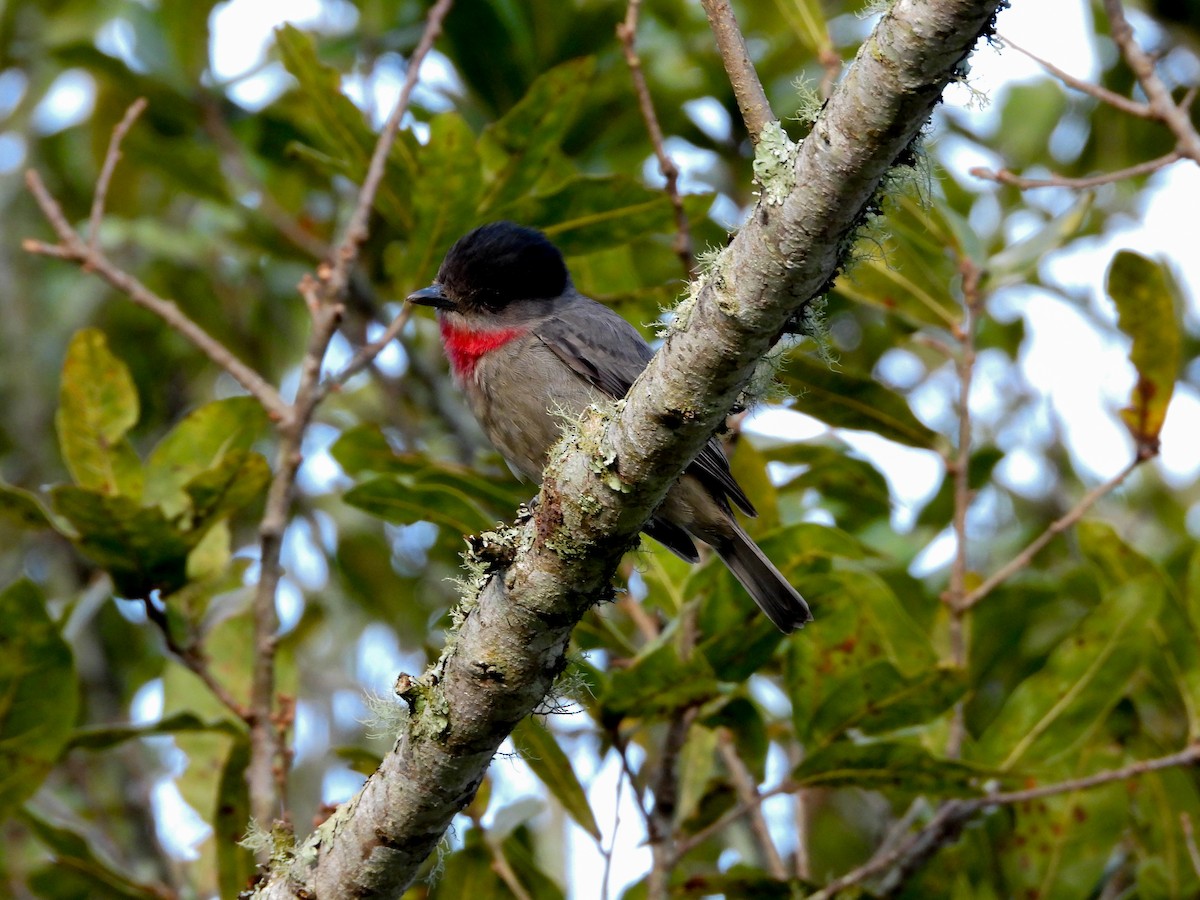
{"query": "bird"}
(529, 352)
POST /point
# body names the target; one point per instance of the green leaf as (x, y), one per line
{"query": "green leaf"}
(697, 766)
(364, 449)
(911, 273)
(851, 401)
(401, 503)
(362, 761)
(659, 681)
(1144, 293)
(1016, 263)
(1054, 710)
(75, 857)
(860, 622)
(341, 127)
(38, 694)
(138, 546)
(517, 148)
(890, 766)
(538, 747)
(236, 866)
(233, 483)
(1060, 846)
(104, 737)
(197, 444)
(590, 214)
(878, 699)
(23, 509)
(97, 405)
(444, 208)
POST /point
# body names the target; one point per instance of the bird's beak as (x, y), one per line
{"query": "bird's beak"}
(431, 296)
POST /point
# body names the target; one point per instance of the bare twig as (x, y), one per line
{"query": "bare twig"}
(661, 819)
(905, 858)
(751, 98)
(356, 229)
(501, 867)
(366, 354)
(692, 841)
(961, 467)
(71, 247)
(325, 296)
(1158, 97)
(747, 792)
(194, 659)
(627, 32)
(1022, 559)
(607, 852)
(1189, 838)
(1096, 91)
(106, 170)
(1189, 756)
(1004, 176)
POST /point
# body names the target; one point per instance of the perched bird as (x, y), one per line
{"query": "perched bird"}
(528, 350)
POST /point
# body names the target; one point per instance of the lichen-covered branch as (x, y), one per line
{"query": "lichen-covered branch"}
(621, 462)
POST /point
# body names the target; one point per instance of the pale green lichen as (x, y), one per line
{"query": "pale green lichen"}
(385, 717)
(808, 101)
(775, 164)
(707, 266)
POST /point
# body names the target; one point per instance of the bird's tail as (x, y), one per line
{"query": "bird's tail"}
(780, 601)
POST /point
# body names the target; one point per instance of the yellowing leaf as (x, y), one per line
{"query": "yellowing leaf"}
(1144, 294)
(97, 406)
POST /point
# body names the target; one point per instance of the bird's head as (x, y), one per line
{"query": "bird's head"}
(493, 267)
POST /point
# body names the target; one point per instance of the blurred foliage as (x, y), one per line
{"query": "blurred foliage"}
(131, 470)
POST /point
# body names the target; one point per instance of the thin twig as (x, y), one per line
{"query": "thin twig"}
(1158, 97)
(194, 659)
(694, 840)
(965, 364)
(751, 98)
(1004, 176)
(747, 792)
(627, 32)
(100, 197)
(1189, 839)
(1022, 559)
(72, 247)
(366, 354)
(1096, 91)
(661, 822)
(356, 229)
(1187, 757)
(952, 815)
(943, 828)
(502, 868)
(607, 852)
(325, 296)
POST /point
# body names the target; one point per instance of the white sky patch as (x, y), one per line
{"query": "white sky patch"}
(68, 101)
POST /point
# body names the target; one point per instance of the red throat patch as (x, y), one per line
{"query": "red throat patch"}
(465, 347)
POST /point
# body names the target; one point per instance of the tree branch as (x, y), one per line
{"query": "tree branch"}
(1057, 527)
(751, 98)
(627, 32)
(111, 157)
(73, 248)
(511, 644)
(1158, 98)
(1004, 176)
(747, 792)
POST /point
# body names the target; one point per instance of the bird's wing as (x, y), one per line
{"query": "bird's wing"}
(606, 351)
